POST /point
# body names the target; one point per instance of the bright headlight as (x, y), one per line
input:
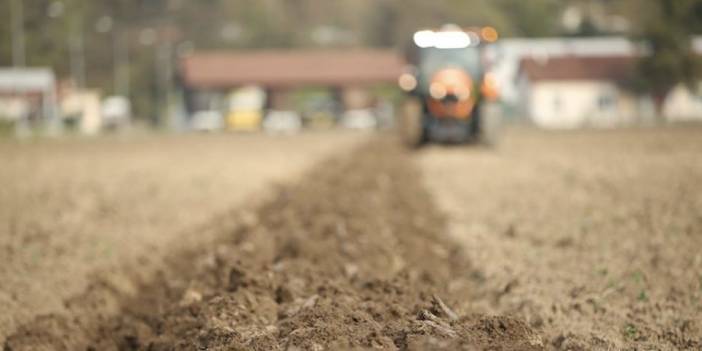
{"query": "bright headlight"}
(445, 39)
(453, 40)
(407, 82)
(437, 91)
(424, 38)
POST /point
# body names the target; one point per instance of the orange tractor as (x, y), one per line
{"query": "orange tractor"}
(448, 87)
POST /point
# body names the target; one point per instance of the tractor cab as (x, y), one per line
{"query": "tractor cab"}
(447, 84)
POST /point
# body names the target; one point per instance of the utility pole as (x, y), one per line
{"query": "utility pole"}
(121, 62)
(76, 53)
(18, 47)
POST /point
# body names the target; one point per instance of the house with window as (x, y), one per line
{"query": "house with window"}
(594, 91)
(507, 55)
(580, 91)
(683, 104)
(28, 96)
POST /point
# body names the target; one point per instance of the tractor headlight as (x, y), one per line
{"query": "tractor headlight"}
(437, 91)
(407, 82)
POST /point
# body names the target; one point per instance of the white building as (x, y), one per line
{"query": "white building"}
(592, 91)
(507, 54)
(28, 94)
(683, 105)
(81, 111)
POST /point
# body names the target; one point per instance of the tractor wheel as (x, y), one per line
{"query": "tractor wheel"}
(411, 126)
(490, 125)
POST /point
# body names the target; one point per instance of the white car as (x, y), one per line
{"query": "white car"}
(282, 122)
(116, 111)
(359, 119)
(207, 121)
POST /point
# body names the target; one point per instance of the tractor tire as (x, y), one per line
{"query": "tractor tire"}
(411, 126)
(490, 125)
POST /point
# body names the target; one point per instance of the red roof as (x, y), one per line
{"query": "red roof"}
(613, 68)
(284, 68)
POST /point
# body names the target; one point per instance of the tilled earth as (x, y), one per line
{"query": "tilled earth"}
(353, 257)
(586, 240)
(72, 208)
(593, 237)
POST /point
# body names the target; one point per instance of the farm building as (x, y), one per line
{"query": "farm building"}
(28, 96)
(581, 91)
(210, 80)
(507, 54)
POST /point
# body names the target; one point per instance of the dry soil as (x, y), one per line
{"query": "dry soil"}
(73, 209)
(587, 240)
(593, 237)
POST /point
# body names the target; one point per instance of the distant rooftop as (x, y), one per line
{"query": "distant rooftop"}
(589, 46)
(289, 68)
(611, 68)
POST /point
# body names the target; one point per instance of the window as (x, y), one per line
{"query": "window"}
(605, 102)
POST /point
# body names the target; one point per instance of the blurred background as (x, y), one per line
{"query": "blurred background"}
(79, 66)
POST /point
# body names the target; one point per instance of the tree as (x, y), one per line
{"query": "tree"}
(669, 60)
(531, 18)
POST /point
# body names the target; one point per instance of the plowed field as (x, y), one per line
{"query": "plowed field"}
(585, 240)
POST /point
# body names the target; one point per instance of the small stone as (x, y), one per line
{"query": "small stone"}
(190, 297)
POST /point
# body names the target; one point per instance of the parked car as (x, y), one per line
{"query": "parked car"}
(207, 121)
(320, 113)
(359, 119)
(246, 109)
(282, 122)
(116, 112)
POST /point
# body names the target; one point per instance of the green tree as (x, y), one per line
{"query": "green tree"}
(666, 31)
(533, 18)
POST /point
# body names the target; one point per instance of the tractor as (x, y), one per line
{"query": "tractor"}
(448, 88)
